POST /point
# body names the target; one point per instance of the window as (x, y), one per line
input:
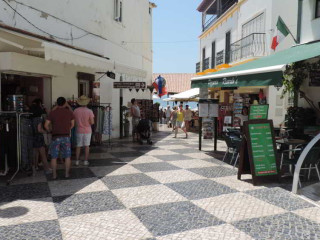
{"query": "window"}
(317, 9)
(213, 55)
(203, 58)
(85, 84)
(228, 47)
(255, 25)
(118, 9)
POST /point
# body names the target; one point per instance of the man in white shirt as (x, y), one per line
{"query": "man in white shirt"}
(187, 117)
(168, 115)
(135, 113)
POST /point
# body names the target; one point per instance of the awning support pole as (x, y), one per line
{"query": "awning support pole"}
(200, 132)
(215, 133)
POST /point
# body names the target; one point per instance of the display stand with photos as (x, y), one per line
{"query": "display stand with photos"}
(258, 155)
(208, 122)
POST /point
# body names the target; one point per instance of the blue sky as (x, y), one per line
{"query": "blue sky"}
(175, 21)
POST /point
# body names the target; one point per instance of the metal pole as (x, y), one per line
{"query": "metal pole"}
(215, 133)
(300, 5)
(200, 132)
(121, 113)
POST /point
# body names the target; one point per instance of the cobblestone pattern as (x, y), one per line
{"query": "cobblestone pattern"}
(166, 191)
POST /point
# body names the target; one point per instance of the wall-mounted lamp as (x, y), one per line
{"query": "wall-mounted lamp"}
(278, 86)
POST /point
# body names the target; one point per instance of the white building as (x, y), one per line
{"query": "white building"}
(239, 31)
(59, 48)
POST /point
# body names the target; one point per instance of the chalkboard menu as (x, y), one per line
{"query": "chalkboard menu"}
(258, 112)
(263, 155)
(258, 154)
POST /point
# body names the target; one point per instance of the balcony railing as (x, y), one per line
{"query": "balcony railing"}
(197, 67)
(206, 64)
(253, 45)
(224, 7)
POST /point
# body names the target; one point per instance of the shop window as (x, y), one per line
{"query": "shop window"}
(118, 9)
(317, 9)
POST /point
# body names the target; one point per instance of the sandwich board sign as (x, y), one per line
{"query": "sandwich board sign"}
(258, 155)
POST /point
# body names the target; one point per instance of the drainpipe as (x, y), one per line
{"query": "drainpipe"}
(300, 6)
(299, 21)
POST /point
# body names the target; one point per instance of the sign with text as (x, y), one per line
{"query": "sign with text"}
(208, 108)
(258, 112)
(263, 152)
(258, 154)
(130, 85)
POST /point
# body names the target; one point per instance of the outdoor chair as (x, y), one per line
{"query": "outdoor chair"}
(290, 157)
(231, 142)
(237, 143)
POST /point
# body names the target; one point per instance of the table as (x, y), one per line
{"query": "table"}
(291, 143)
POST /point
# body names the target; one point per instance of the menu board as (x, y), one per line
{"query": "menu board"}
(258, 155)
(258, 112)
(263, 153)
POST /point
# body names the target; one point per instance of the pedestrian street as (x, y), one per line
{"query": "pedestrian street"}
(169, 190)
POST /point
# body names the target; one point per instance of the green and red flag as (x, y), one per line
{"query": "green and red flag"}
(281, 32)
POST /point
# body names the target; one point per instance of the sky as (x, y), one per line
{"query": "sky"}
(176, 27)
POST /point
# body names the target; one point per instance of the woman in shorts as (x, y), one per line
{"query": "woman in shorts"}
(180, 122)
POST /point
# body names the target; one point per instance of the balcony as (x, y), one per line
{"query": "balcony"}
(253, 45)
(215, 11)
(206, 64)
(197, 67)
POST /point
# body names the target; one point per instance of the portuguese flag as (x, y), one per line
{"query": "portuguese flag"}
(281, 32)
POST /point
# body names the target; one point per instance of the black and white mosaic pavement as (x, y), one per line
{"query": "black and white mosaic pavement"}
(169, 190)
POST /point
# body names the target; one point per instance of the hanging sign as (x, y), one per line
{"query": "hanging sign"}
(130, 85)
(258, 112)
(258, 154)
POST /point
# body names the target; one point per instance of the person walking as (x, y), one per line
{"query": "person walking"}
(84, 118)
(180, 122)
(187, 117)
(39, 150)
(173, 118)
(62, 121)
(136, 115)
(168, 116)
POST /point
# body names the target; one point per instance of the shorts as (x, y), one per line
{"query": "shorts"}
(174, 123)
(180, 124)
(38, 141)
(135, 122)
(83, 139)
(60, 147)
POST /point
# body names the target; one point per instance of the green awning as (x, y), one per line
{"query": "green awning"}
(262, 72)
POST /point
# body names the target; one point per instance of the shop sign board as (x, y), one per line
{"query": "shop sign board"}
(258, 112)
(258, 154)
(208, 108)
(314, 78)
(130, 85)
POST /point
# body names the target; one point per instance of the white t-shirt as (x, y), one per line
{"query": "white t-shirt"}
(168, 112)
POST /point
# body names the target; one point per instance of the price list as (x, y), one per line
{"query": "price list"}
(263, 153)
